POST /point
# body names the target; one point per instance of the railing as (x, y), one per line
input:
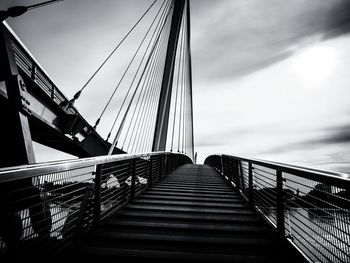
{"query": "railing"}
(46, 207)
(30, 67)
(308, 207)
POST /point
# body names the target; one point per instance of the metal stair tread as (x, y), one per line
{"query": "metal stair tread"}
(265, 242)
(173, 255)
(193, 203)
(185, 225)
(146, 196)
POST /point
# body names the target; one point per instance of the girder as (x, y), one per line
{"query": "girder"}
(40, 116)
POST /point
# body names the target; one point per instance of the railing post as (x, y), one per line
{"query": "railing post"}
(222, 165)
(166, 164)
(250, 185)
(280, 203)
(52, 92)
(237, 174)
(33, 72)
(232, 171)
(170, 163)
(97, 199)
(150, 182)
(133, 179)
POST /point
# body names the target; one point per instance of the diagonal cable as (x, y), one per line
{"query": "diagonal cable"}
(77, 95)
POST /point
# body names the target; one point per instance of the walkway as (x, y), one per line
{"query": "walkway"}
(192, 215)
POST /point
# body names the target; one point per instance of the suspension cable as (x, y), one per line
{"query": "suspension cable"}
(140, 99)
(137, 86)
(116, 138)
(181, 109)
(190, 80)
(177, 89)
(126, 70)
(139, 135)
(185, 94)
(152, 109)
(43, 4)
(145, 95)
(124, 100)
(139, 104)
(77, 95)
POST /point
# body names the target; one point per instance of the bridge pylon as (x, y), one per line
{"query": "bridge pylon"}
(161, 128)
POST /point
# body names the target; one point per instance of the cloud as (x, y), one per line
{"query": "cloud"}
(232, 39)
(338, 22)
(217, 137)
(333, 135)
(339, 134)
(230, 135)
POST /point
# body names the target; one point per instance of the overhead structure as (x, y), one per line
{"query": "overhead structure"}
(151, 205)
(160, 136)
(177, 75)
(151, 99)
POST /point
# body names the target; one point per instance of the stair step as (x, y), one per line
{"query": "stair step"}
(191, 215)
(180, 181)
(249, 243)
(138, 226)
(147, 196)
(187, 208)
(194, 189)
(192, 203)
(94, 254)
(191, 193)
(204, 187)
(242, 216)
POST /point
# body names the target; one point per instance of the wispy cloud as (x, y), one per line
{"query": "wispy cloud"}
(333, 135)
(239, 37)
(338, 134)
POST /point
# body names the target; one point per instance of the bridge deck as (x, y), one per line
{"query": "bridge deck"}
(191, 215)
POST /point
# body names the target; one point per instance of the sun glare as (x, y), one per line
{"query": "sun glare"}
(315, 63)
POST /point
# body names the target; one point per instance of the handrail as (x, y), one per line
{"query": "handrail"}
(309, 208)
(47, 103)
(48, 206)
(305, 172)
(25, 171)
(35, 65)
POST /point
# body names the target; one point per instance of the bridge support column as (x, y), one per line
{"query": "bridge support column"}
(15, 130)
(161, 129)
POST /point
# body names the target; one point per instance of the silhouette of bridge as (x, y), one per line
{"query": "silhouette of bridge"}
(141, 196)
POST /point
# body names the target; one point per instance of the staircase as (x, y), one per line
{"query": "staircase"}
(192, 215)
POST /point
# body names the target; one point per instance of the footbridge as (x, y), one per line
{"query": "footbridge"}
(141, 197)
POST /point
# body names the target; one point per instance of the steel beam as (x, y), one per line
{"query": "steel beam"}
(161, 129)
(15, 136)
(30, 104)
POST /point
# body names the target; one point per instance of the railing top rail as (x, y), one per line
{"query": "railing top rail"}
(335, 178)
(25, 171)
(24, 49)
(22, 46)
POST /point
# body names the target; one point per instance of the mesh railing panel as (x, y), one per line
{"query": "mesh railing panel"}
(308, 207)
(44, 208)
(317, 218)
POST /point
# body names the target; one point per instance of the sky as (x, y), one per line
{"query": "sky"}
(270, 78)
